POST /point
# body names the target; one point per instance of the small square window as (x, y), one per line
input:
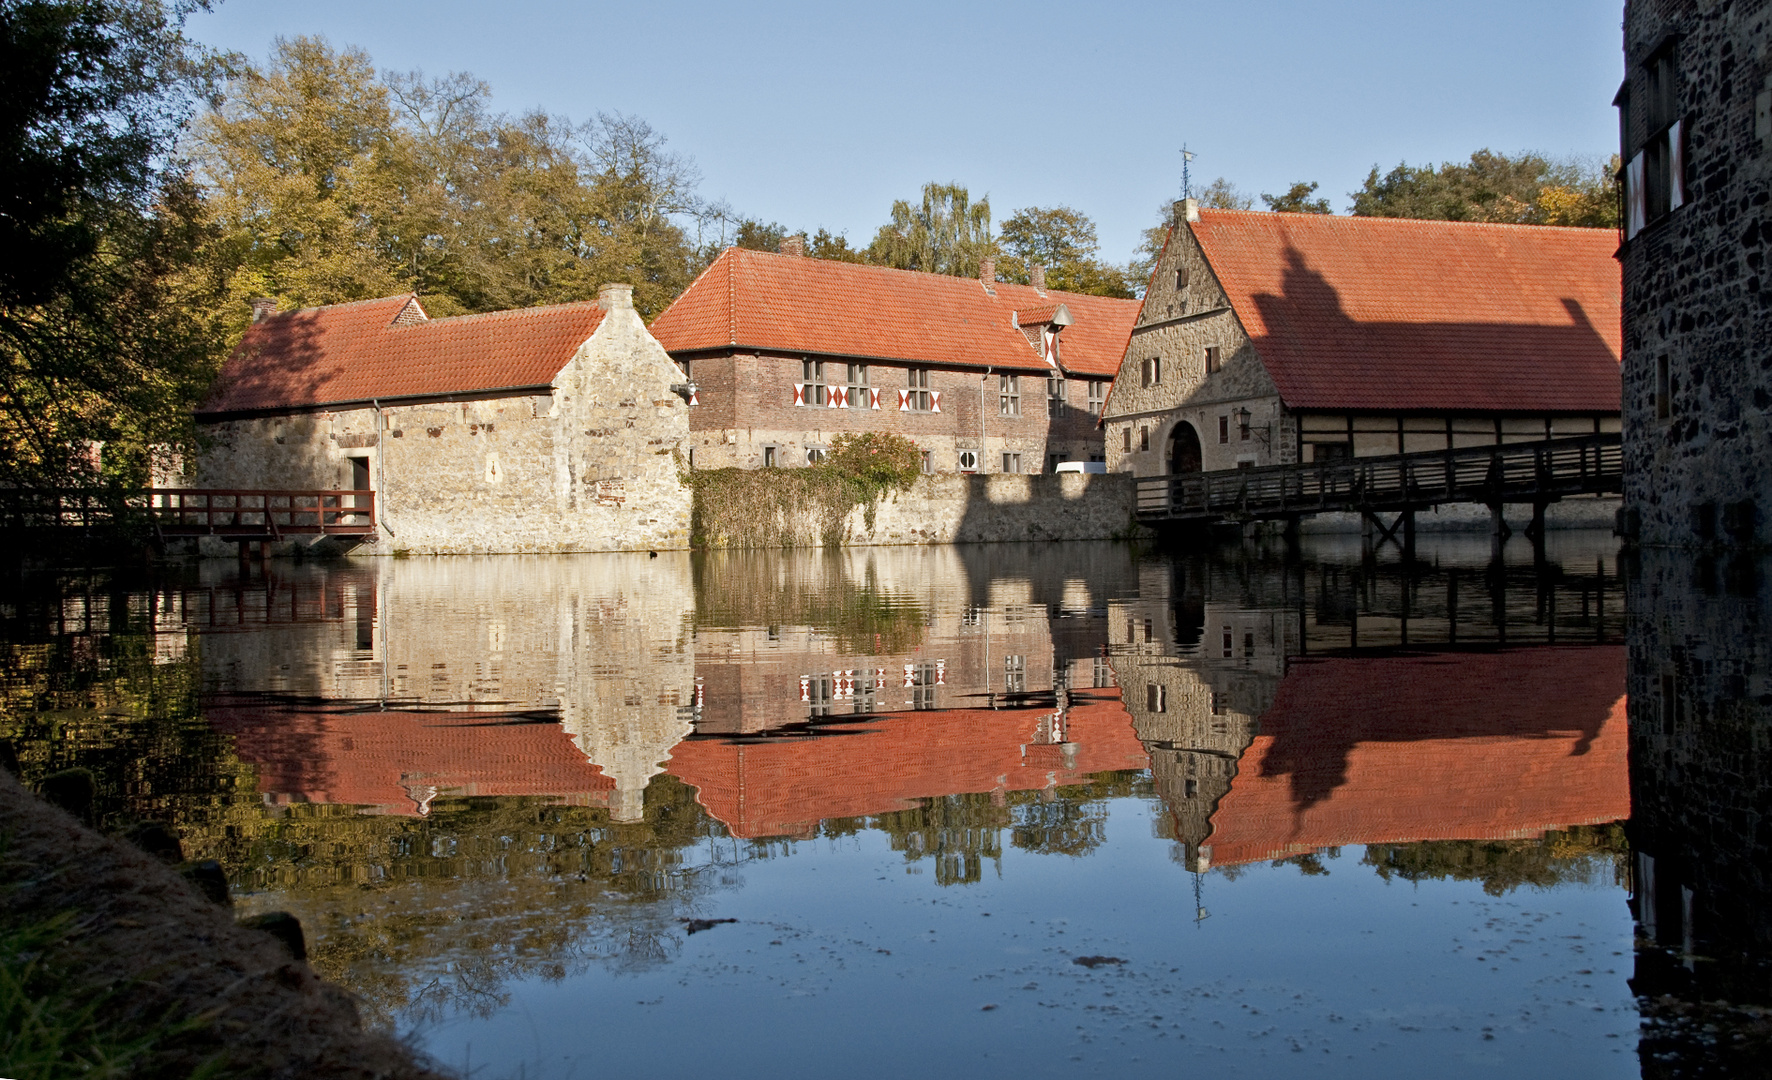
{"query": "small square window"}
(1212, 360)
(1156, 697)
(1153, 370)
(927, 462)
(769, 457)
(815, 455)
(969, 461)
(1011, 463)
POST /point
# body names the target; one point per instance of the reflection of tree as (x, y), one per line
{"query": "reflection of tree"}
(1580, 853)
(961, 831)
(754, 588)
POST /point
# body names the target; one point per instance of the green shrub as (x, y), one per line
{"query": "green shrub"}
(767, 507)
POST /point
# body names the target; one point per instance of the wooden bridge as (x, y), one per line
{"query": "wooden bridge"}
(243, 517)
(1538, 473)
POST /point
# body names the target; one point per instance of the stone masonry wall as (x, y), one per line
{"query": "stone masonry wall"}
(954, 508)
(1696, 292)
(1177, 324)
(593, 466)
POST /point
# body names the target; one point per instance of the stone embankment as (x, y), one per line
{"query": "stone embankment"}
(163, 964)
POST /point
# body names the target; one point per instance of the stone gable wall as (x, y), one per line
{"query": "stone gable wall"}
(1177, 325)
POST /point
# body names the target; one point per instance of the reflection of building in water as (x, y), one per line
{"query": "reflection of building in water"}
(786, 786)
(940, 675)
(1260, 752)
(1701, 761)
(601, 642)
(1196, 677)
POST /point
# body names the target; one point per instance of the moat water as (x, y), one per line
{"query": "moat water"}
(1068, 810)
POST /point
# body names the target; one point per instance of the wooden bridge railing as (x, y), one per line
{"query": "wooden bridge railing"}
(1537, 472)
(180, 512)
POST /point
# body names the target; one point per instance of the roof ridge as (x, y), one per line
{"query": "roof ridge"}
(1401, 221)
(539, 309)
(404, 298)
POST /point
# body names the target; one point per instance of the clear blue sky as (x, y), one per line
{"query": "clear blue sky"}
(818, 114)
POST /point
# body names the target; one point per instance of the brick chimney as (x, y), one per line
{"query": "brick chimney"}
(613, 297)
(263, 307)
(987, 271)
(1037, 277)
(794, 245)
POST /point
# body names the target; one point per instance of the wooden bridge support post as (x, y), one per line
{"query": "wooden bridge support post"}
(1408, 536)
(1289, 534)
(1535, 532)
(1498, 530)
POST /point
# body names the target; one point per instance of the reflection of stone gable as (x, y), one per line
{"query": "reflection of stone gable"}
(1195, 709)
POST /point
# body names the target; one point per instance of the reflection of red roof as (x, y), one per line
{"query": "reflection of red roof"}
(356, 352)
(758, 300)
(1386, 313)
(389, 760)
(785, 788)
(1473, 746)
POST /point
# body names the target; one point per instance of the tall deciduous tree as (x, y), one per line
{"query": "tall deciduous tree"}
(947, 233)
(329, 184)
(99, 354)
(1526, 189)
(1297, 200)
(1062, 240)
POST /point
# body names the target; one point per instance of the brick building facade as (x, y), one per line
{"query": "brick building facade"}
(1695, 119)
(1269, 339)
(788, 352)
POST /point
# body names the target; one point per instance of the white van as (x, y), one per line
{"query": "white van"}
(1081, 466)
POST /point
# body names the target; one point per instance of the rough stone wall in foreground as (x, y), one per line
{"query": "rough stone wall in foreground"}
(1696, 292)
(593, 466)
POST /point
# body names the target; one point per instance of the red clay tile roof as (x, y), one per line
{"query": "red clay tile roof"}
(757, 300)
(1459, 746)
(1393, 314)
(356, 352)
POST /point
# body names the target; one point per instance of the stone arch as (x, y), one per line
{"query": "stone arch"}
(1184, 449)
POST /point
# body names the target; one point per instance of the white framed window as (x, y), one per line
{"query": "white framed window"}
(969, 461)
(917, 397)
(1097, 396)
(1015, 674)
(1055, 395)
(1011, 463)
(815, 455)
(812, 389)
(927, 460)
(1009, 395)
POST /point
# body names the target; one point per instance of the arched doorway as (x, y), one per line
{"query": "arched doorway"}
(1184, 449)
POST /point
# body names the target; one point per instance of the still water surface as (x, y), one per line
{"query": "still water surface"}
(1057, 810)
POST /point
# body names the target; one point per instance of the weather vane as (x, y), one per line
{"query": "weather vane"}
(1186, 157)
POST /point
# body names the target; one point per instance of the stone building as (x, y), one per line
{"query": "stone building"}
(1695, 117)
(788, 352)
(1269, 339)
(545, 429)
